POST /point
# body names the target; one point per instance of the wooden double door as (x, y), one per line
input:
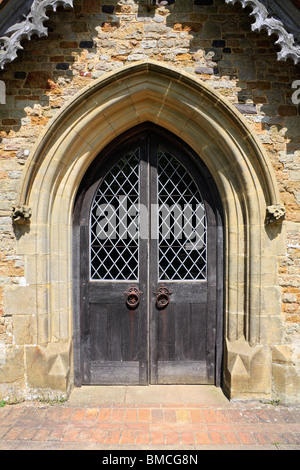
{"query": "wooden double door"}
(148, 253)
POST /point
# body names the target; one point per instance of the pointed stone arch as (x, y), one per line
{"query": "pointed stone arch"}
(216, 131)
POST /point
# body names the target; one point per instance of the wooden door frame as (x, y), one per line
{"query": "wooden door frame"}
(127, 141)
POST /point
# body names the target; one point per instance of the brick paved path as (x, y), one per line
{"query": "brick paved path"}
(142, 426)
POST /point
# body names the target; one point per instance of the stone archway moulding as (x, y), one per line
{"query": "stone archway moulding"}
(214, 129)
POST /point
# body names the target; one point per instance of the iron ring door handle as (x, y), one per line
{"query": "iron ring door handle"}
(133, 296)
(162, 297)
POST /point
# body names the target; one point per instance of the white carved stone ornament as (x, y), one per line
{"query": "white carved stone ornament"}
(32, 24)
(263, 21)
(21, 214)
(275, 213)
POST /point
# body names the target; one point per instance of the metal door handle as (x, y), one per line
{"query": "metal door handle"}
(162, 296)
(133, 296)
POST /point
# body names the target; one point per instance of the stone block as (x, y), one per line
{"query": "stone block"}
(12, 372)
(20, 300)
(211, 30)
(43, 334)
(287, 110)
(92, 6)
(108, 9)
(205, 70)
(286, 373)
(48, 367)
(246, 108)
(248, 370)
(87, 44)
(204, 2)
(24, 329)
(69, 45)
(271, 327)
(270, 299)
(63, 66)
(37, 79)
(219, 43)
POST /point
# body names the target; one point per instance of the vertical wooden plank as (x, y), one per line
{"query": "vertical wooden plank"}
(182, 331)
(220, 300)
(76, 299)
(211, 296)
(84, 304)
(98, 332)
(166, 333)
(114, 332)
(198, 334)
(130, 334)
(154, 313)
(126, 330)
(141, 343)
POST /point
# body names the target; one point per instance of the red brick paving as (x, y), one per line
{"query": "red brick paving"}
(189, 426)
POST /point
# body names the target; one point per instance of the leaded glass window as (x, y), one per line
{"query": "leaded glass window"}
(114, 243)
(182, 223)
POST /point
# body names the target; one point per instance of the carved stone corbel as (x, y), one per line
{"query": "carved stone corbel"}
(21, 214)
(275, 213)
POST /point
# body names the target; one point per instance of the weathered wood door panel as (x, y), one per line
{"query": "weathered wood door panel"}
(183, 261)
(148, 222)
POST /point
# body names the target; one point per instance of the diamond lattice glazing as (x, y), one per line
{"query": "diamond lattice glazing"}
(182, 231)
(114, 244)
(182, 223)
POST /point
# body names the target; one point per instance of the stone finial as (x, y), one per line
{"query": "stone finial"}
(275, 213)
(21, 214)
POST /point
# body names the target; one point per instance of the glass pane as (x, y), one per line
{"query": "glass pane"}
(182, 223)
(114, 244)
